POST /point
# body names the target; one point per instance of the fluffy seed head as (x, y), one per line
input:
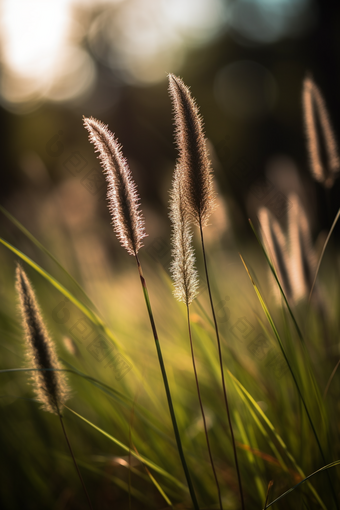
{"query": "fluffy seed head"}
(127, 218)
(276, 247)
(193, 155)
(50, 385)
(314, 107)
(302, 252)
(182, 268)
(292, 255)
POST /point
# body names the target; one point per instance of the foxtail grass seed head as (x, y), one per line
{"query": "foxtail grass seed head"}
(297, 272)
(302, 253)
(314, 107)
(50, 385)
(193, 155)
(124, 202)
(276, 246)
(182, 268)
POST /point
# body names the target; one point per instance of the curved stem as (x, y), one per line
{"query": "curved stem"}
(202, 411)
(74, 461)
(270, 320)
(166, 386)
(322, 253)
(330, 379)
(270, 484)
(222, 372)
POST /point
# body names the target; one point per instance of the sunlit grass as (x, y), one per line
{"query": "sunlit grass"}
(273, 435)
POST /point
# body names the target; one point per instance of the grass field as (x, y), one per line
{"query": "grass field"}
(117, 419)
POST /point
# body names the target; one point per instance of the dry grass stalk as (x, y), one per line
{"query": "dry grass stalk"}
(50, 385)
(314, 106)
(123, 198)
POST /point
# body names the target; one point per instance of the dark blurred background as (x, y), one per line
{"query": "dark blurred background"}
(244, 60)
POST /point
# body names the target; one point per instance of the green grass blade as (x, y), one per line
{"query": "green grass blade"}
(324, 468)
(136, 471)
(330, 379)
(242, 390)
(119, 397)
(322, 252)
(92, 316)
(167, 387)
(117, 481)
(276, 333)
(42, 248)
(159, 488)
(143, 459)
(262, 430)
(298, 330)
(249, 453)
(279, 285)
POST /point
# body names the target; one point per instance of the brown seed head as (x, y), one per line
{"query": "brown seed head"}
(193, 155)
(127, 218)
(314, 107)
(302, 252)
(292, 255)
(276, 247)
(50, 385)
(182, 268)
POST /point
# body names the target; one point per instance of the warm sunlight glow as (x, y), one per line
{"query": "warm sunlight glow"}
(39, 58)
(33, 33)
(43, 43)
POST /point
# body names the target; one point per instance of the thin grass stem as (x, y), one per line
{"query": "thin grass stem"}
(154, 481)
(331, 379)
(324, 468)
(270, 485)
(74, 461)
(222, 372)
(297, 327)
(276, 333)
(322, 253)
(132, 417)
(202, 411)
(166, 386)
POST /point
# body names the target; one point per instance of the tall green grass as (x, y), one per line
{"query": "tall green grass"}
(273, 437)
(133, 417)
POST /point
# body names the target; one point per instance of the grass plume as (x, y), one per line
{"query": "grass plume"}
(292, 254)
(302, 251)
(199, 197)
(182, 268)
(123, 198)
(50, 385)
(185, 278)
(128, 224)
(314, 106)
(276, 246)
(48, 380)
(193, 154)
